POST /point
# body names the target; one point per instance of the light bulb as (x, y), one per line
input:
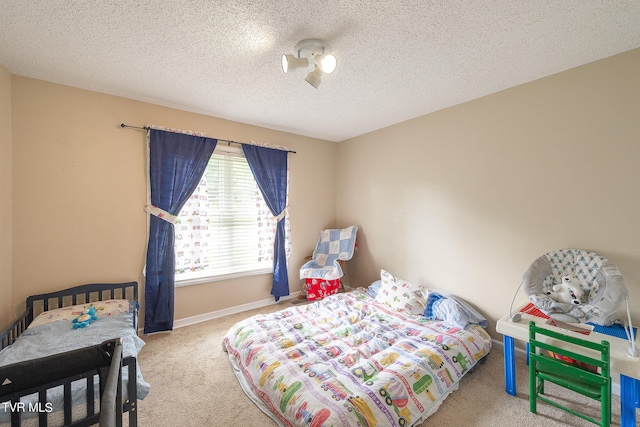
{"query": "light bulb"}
(285, 63)
(327, 62)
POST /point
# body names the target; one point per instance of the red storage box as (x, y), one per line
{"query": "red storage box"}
(320, 288)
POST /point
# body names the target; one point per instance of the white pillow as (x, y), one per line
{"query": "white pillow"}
(400, 295)
(103, 309)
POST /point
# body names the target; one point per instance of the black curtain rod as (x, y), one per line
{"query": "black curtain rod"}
(122, 125)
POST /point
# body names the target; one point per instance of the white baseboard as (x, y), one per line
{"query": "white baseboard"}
(522, 354)
(179, 323)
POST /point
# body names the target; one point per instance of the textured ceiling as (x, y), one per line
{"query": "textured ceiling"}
(397, 59)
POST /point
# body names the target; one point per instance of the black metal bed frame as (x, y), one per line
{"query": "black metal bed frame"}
(103, 362)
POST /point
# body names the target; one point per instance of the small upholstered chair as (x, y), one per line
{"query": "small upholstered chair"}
(323, 272)
(573, 370)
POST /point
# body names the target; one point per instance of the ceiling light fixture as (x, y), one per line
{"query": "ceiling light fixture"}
(316, 51)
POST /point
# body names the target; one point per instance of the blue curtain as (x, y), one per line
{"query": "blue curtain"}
(269, 168)
(176, 164)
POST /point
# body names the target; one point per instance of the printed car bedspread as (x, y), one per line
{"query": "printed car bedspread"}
(347, 361)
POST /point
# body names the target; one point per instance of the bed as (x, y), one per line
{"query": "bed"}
(55, 370)
(387, 356)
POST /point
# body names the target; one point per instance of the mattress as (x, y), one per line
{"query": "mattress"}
(349, 361)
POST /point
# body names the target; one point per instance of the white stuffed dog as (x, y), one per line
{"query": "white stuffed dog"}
(568, 291)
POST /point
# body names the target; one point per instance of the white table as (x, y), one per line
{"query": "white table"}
(621, 362)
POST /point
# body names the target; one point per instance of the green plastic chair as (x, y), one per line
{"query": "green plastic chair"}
(544, 367)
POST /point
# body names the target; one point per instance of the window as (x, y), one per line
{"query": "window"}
(225, 229)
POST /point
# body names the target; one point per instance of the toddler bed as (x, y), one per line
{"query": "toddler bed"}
(385, 357)
(54, 374)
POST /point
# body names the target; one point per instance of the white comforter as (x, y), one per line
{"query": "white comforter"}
(347, 361)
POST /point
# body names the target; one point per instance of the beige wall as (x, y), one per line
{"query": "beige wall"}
(5, 196)
(79, 189)
(466, 198)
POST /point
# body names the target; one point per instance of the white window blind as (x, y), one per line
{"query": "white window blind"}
(226, 228)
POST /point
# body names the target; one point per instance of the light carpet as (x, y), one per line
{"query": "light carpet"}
(192, 384)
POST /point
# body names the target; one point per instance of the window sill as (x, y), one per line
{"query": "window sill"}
(220, 277)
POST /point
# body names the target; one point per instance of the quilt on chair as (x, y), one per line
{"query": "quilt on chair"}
(333, 245)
